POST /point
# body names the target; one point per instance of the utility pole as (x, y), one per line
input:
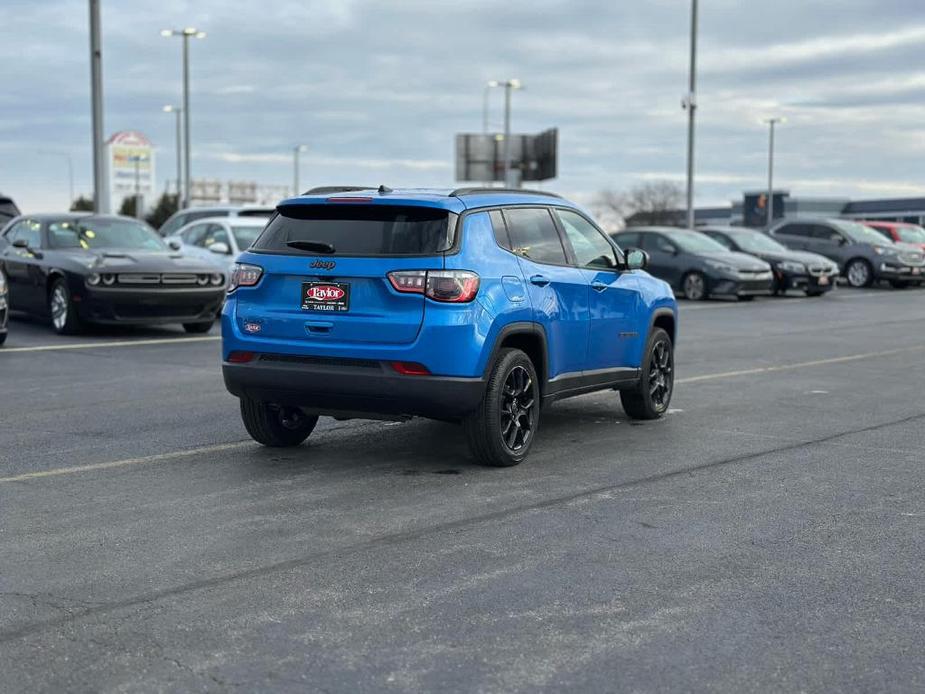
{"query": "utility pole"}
(177, 110)
(298, 149)
(690, 103)
(771, 122)
(96, 99)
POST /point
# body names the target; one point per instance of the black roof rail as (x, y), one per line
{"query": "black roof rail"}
(327, 190)
(488, 191)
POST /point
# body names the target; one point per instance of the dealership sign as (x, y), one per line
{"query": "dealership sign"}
(129, 163)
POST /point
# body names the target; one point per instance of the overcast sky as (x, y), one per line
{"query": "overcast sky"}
(378, 89)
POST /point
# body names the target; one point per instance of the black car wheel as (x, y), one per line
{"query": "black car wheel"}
(859, 273)
(198, 327)
(694, 286)
(61, 309)
(501, 431)
(275, 425)
(651, 397)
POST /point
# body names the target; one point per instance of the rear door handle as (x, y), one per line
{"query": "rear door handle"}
(539, 280)
(598, 286)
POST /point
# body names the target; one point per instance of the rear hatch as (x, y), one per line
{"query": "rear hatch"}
(326, 271)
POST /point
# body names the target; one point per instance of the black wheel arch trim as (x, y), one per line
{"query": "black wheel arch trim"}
(670, 313)
(534, 331)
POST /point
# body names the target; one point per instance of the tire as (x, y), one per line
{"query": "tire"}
(859, 273)
(502, 429)
(814, 293)
(198, 327)
(63, 314)
(274, 425)
(694, 286)
(652, 396)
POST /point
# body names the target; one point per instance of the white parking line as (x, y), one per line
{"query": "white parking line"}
(127, 461)
(174, 455)
(800, 365)
(114, 343)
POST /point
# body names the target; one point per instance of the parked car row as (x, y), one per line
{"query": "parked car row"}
(807, 256)
(78, 268)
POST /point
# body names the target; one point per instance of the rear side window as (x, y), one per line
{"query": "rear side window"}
(534, 235)
(794, 230)
(500, 229)
(628, 240)
(359, 230)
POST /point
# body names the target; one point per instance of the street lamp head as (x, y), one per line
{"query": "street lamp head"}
(167, 32)
(200, 34)
(493, 83)
(190, 31)
(515, 84)
(169, 108)
(301, 148)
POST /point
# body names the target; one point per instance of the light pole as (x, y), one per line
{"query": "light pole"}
(185, 34)
(509, 86)
(296, 151)
(488, 87)
(771, 123)
(690, 103)
(177, 110)
(96, 101)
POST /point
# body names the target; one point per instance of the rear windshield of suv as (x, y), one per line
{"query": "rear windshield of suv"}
(359, 230)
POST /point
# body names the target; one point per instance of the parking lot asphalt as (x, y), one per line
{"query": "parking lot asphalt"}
(766, 535)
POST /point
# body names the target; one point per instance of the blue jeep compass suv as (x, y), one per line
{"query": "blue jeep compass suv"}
(476, 305)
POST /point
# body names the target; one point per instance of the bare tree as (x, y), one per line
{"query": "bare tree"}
(653, 202)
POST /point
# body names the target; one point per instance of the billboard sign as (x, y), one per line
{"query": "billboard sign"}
(480, 156)
(129, 168)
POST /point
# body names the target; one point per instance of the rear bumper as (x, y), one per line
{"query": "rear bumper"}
(146, 307)
(351, 387)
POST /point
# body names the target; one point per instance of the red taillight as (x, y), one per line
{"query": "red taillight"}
(453, 286)
(410, 368)
(240, 357)
(244, 275)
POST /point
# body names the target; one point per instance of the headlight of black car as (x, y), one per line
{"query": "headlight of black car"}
(217, 279)
(792, 266)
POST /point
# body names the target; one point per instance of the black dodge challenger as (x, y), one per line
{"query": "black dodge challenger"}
(80, 268)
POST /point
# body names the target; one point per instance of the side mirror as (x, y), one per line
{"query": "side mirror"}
(220, 248)
(636, 259)
(20, 243)
(174, 244)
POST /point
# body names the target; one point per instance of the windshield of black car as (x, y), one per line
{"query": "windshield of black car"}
(359, 230)
(695, 242)
(246, 235)
(756, 242)
(89, 233)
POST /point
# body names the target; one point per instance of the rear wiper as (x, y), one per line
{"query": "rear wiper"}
(316, 246)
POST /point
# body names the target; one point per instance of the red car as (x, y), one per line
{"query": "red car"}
(901, 232)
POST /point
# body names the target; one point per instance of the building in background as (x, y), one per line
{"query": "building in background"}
(213, 191)
(128, 169)
(751, 211)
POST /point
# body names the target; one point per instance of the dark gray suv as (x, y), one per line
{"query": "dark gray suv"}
(863, 254)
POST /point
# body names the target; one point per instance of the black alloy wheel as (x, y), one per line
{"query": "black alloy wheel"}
(652, 395)
(501, 430)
